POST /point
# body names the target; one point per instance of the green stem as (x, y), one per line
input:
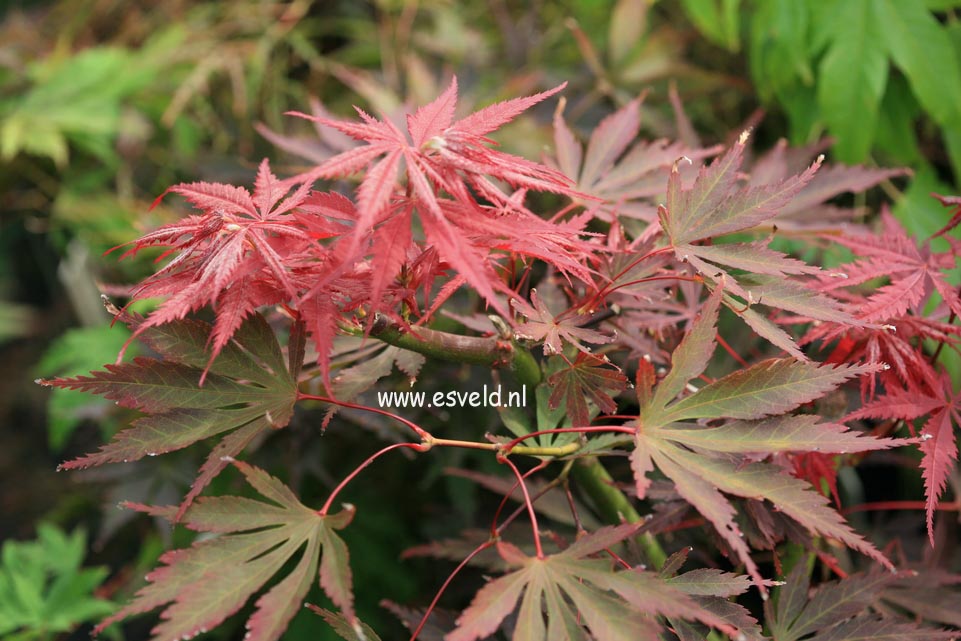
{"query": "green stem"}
(525, 450)
(473, 350)
(493, 352)
(501, 352)
(613, 505)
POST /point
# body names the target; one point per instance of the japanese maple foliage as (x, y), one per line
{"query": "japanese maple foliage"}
(317, 295)
(447, 167)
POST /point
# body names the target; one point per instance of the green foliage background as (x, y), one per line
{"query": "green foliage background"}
(105, 103)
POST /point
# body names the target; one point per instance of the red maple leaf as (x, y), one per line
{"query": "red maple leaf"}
(586, 378)
(809, 209)
(913, 271)
(623, 175)
(455, 156)
(234, 256)
(949, 201)
(942, 405)
(897, 343)
(448, 167)
(543, 325)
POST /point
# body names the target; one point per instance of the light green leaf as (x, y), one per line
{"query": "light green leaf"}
(577, 592)
(920, 47)
(942, 5)
(896, 137)
(43, 588)
(851, 81)
(771, 387)
(801, 433)
(627, 27)
(718, 20)
(778, 45)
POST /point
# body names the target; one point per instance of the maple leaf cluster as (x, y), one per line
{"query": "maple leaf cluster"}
(914, 386)
(325, 255)
(626, 280)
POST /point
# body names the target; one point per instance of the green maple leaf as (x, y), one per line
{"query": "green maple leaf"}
(248, 389)
(713, 590)
(562, 594)
(838, 611)
(346, 629)
(705, 462)
(204, 584)
(717, 204)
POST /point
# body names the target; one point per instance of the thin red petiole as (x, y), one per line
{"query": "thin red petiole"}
(573, 507)
(419, 447)
(529, 503)
(638, 261)
(651, 279)
(513, 515)
(730, 350)
(832, 563)
(433, 604)
(421, 432)
(500, 508)
(603, 292)
(617, 559)
(900, 505)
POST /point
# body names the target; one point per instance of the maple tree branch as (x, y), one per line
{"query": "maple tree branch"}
(429, 441)
(512, 446)
(526, 450)
(494, 352)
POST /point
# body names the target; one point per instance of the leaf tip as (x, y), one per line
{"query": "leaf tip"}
(559, 109)
(674, 167)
